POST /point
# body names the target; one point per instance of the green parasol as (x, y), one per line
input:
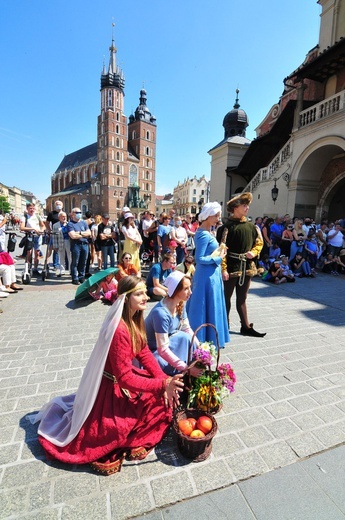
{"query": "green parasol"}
(92, 281)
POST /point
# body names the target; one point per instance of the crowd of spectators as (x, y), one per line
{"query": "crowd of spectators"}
(301, 247)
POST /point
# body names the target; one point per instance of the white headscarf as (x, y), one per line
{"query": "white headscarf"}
(62, 418)
(209, 209)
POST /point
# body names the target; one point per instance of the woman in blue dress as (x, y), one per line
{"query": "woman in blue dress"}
(167, 327)
(207, 303)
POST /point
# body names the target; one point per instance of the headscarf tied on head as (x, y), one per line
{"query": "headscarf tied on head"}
(208, 210)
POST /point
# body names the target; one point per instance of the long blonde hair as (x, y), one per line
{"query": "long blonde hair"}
(135, 324)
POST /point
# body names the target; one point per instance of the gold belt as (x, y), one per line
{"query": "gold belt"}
(124, 390)
(110, 376)
(243, 259)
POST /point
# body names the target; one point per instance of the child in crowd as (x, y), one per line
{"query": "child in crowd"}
(312, 248)
(172, 248)
(285, 267)
(106, 290)
(330, 265)
(274, 252)
(263, 266)
(276, 273)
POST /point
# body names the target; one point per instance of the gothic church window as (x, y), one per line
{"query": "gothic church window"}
(110, 98)
(133, 174)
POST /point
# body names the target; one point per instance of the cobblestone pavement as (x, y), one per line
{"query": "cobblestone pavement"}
(289, 402)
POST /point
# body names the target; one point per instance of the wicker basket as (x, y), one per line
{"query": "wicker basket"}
(209, 409)
(196, 449)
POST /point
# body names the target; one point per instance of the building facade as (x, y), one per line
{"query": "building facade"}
(296, 165)
(191, 194)
(120, 168)
(17, 199)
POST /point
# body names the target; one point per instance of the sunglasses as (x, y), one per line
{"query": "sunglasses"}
(188, 262)
(127, 258)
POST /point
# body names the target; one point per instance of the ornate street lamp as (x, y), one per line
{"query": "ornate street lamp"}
(274, 191)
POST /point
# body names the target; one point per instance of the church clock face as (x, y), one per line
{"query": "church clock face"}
(133, 175)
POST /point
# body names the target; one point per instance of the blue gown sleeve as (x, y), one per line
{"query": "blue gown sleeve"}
(202, 244)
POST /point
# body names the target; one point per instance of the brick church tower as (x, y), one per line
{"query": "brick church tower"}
(119, 169)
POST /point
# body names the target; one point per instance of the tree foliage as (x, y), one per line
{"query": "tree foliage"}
(4, 204)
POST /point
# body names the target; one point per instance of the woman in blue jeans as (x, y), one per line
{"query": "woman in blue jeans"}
(299, 237)
(79, 233)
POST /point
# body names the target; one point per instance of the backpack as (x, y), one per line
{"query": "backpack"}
(11, 244)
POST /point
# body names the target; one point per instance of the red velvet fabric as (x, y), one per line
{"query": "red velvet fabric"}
(117, 422)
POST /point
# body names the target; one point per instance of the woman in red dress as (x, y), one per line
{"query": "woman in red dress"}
(119, 411)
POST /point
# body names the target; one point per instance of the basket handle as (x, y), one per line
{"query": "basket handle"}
(193, 338)
(190, 356)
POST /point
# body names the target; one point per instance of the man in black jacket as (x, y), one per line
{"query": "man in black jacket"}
(244, 243)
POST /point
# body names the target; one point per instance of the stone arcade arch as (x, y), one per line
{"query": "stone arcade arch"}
(317, 175)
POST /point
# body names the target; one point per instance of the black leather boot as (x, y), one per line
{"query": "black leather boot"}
(252, 332)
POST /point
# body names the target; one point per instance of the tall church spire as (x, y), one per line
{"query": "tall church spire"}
(113, 51)
(114, 77)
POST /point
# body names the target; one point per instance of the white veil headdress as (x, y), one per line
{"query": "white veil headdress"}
(62, 418)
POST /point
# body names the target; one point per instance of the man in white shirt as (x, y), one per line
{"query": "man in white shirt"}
(32, 222)
(335, 239)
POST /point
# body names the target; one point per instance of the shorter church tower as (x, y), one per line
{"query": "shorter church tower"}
(142, 142)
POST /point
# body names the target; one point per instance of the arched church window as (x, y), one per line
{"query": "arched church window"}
(110, 98)
(133, 174)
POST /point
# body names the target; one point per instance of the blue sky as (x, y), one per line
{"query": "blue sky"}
(191, 55)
